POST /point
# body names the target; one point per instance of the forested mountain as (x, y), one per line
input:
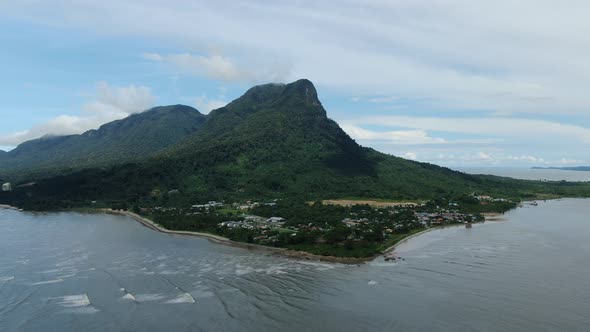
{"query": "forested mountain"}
(136, 137)
(275, 141)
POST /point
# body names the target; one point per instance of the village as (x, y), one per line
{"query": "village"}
(276, 223)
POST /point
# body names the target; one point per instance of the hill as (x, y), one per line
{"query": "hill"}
(134, 138)
(275, 141)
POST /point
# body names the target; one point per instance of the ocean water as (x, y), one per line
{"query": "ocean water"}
(529, 174)
(78, 272)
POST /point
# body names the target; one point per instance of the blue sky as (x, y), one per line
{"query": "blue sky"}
(456, 83)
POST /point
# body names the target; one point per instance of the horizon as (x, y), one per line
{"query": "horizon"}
(448, 85)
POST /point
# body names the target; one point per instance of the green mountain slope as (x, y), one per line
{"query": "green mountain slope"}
(133, 138)
(275, 141)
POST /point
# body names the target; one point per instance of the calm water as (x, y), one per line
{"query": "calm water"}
(528, 173)
(73, 272)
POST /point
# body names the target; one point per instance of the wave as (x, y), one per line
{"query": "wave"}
(182, 298)
(46, 282)
(76, 304)
(149, 297)
(128, 296)
(74, 301)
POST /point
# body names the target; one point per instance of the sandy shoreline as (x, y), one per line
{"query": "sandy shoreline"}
(301, 255)
(8, 207)
(392, 248)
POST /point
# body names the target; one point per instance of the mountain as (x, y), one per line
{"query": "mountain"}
(570, 168)
(276, 141)
(134, 138)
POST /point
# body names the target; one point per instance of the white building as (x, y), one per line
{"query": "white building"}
(7, 187)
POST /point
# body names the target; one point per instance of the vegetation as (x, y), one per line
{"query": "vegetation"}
(274, 142)
(134, 138)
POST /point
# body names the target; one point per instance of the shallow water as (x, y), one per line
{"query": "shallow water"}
(72, 272)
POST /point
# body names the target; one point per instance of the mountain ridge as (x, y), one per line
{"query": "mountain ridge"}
(275, 141)
(132, 138)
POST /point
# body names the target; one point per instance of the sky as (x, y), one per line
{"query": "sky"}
(456, 83)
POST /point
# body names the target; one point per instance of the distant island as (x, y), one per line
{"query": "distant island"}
(270, 168)
(571, 168)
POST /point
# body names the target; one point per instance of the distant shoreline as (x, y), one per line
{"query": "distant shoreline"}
(572, 168)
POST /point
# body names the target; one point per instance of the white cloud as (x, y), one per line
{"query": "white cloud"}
(531, 130)
(383, 100)
(152, 56)
(222, 68)
(460, 54)
(206, 105)
(484, 156)
(566, 161)
(393, 137)
(410, 155)
(526, 158)
(110, 103)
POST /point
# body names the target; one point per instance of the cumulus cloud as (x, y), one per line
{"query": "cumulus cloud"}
(410, 155)
(109, 103)
(529, 129)
(526, 158)
(567, 161)
(394, 137)
(206, 105)
(222, 68)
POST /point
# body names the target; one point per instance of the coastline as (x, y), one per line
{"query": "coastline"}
(295, 254)
(391, 248)
(488, 216)
(9, 207)
(284, 252)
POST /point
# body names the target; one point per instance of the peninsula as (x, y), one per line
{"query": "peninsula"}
(270, 168)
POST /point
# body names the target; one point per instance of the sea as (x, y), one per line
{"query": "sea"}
(526, 270)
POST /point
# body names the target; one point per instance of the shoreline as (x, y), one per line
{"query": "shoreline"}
(489, 216)
(295, 254)
(9, 207)
(391, 248)
(284, 252)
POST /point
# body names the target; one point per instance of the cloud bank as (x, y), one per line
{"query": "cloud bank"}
(109, 103)
(505, 56)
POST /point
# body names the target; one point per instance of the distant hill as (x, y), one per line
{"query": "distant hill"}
(276, 141)
(572, 168)
(136, 137)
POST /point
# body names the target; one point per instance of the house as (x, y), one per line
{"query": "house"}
(7, 186)
(275, 220)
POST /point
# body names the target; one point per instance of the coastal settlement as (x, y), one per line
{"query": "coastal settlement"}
(342, 229)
